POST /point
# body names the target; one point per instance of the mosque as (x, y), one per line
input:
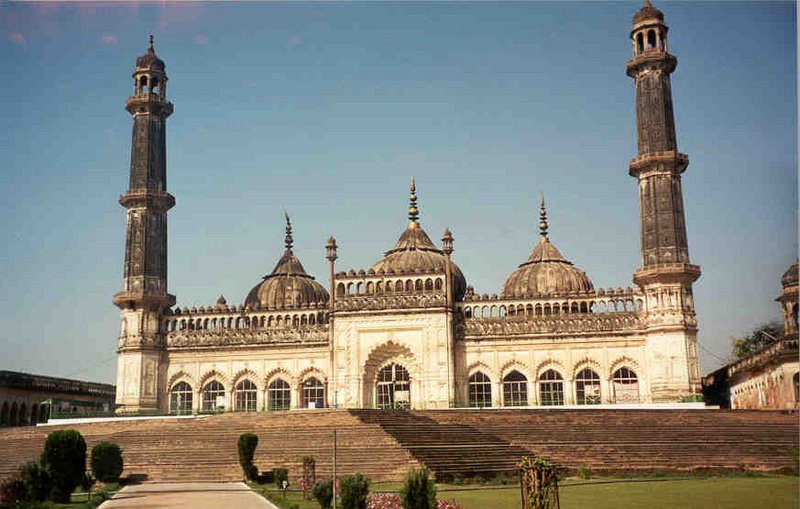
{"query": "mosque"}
(409, 332)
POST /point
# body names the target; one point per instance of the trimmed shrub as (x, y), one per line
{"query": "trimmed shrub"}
(106, 461)
(355, 489)
(13, 490)
(64, 458)
(37, 481)
(247, 450)
(323, 493)
(280, 475)
(418, 492)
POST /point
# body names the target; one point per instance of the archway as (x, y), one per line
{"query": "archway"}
(393, 387)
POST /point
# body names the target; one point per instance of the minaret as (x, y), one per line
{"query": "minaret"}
(665, 275)
(144, 288)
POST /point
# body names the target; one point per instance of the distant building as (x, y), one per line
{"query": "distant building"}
(409, 331)
(27, 399)
(770, 377)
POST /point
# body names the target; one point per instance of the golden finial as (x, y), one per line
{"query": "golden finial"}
(413, 211)
(289, 240)
(542, 219)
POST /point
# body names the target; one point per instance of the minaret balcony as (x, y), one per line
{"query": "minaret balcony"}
(651, 58)
(669, 161)
(145, 198)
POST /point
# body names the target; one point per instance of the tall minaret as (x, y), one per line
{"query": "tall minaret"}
(665, 275)
(144, 288)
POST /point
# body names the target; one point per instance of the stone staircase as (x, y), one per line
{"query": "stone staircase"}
(385, 445)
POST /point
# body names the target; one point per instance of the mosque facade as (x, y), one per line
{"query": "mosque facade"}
(409, 332)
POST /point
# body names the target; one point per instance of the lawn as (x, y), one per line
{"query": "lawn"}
(762, 492)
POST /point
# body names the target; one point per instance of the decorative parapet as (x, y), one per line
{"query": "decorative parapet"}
(306, 335)
(785, 347)
(523, 325)
(377, 302)
(380, 283)
(237, 318)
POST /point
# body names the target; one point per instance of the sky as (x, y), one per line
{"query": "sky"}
(328, 109)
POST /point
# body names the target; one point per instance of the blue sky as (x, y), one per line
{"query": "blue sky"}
(327, 109)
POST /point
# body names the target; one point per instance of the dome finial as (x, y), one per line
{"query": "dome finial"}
(413, 211)
(288, 239)
(542, 219)
(151, 43)
(647, 3)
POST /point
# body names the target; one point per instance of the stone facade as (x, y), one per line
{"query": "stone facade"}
(27, 399)
(409, 332)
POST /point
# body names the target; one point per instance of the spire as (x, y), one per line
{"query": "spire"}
(151, 48)
(413, 211)
(288, 239)
(646, 4)
(542, 220)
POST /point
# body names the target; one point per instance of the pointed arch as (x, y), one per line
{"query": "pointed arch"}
(515, 365)
(481, 366)
(586, 362)
(182, 375)
(213, 374)
(549, 363)
(311, 371)
(620, 362)
(246, 373)
(278, 372)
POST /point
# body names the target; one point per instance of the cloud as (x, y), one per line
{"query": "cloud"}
(296, 40)
(200, 39)
(109, 39)
(17, 38)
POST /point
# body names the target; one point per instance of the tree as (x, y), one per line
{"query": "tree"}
(355, 489)
(418, 492)
(106, 461)
(247, 449)
(64, 458)
(758, 338)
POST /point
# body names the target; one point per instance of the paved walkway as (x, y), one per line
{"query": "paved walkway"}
(188, 496)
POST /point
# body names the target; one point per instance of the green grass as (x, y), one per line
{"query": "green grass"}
(734, 492)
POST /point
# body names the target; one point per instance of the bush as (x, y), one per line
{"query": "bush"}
(418, 492)
(323, 493)
(280, 475)
(64, 458)
(247, 449)
(584, 473)
(13, 490)
(355, 489)
(266, 477)
(106, 461)
(37, 482)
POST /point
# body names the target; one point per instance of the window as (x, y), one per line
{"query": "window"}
(393, 387)
(551, 388)
(313, 394)
(796, 383)
(626, 386)
(480, 390)
(213, 397)
(246, 396)
(587, 388)
(279, 395)
(515, 389)
(180, 399)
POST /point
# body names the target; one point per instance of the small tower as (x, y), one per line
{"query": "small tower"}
(144, 296)
(665, 274)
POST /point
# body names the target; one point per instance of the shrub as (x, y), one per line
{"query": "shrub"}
(418, 492)
(584, 473)
(355, 489)
(247, 450)
(457, 479)
(37, 481)
(106, 461)
(280, 475)
(64, 458)
(323, 493)
(267, 477)
(13, 490)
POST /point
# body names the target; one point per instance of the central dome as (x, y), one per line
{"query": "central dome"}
(545, 272)
(414, 253)
(288, 286)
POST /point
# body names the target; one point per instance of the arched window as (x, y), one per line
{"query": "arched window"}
(4, 414)
(796, 383)
(279, 395)
(418, 285)
(639, 42)
(651, 39)
(437, 284)
(213, 397)
(313, 394)
(370, 287)
(480, 390)
(340, 289)
(515, 389)
(409, 286)
(428, 285)
(245, 396)
(43, 413)
(13, 415)
(34, 413)
(551, 388)
(393, 388)
(587, 388)
(398, 286)
(180, 399)
(23, 414)
(626, 386)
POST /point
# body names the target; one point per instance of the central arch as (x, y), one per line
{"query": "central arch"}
(393, 387)
(377, 370)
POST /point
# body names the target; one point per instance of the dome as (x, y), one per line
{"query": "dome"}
(149, 59)
(545, 272)
(288, 286)
(414, 253)
(647, 12)
(789, 277)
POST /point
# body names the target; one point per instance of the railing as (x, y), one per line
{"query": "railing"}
(310, 334)
(567, 323)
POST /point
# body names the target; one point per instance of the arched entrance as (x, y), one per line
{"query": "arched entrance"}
(393, 387)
